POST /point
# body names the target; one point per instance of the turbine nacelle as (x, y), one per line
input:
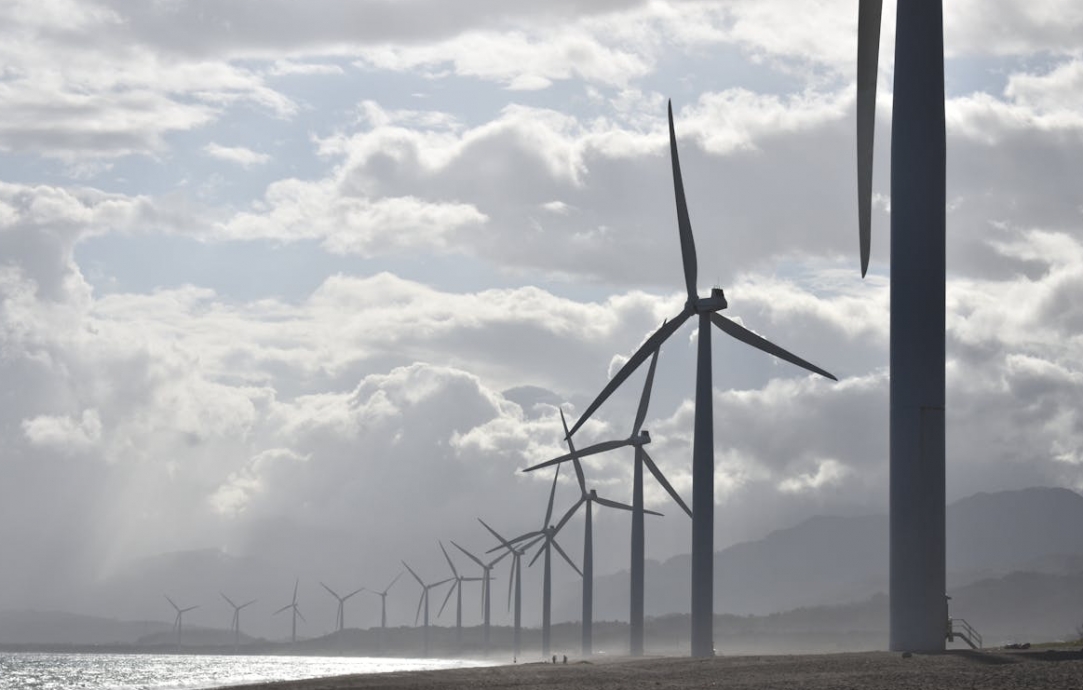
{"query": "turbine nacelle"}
(642, 439)
(706, 305)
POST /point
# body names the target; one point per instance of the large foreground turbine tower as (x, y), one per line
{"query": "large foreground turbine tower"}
(918, 607)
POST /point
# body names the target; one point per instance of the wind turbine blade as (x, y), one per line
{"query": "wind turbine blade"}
(295, 583)
(868, 52)
(448, 559)
(392, 583)
(537, 534)
(499, 558)
(441, 582)
(746, 336)
(468, 554)
(530, 544)
(645, 398)
(575, 460)
(247, 604)
(684, 225)
(611, 504)
(552, 497)
(502, 540)
(589, 450)
(330, 590)
(663, 481)
(356, 591)
(568, 515)
(511, 577)
(649, 345)
(540, 551)
(190, 608)
(171, 602)
(419, 581)
(228, 600)
(301, 615)
(450, 591)
(569, 560)
(287, 607)
(420, 601)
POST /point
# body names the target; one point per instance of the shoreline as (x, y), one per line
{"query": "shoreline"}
(996, 669)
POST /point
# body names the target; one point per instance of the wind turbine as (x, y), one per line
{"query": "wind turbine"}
(383, 600)
(547, 535)
(340, 616)
(916, 428)
(486, 569)
(179, 619)
(235, 624)
(424, 600)
(706, 308)
(456, 586)
(383, 607)
(637, 439)
(296, 612)
(514, 579)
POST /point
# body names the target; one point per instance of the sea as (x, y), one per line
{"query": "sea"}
(31, 670)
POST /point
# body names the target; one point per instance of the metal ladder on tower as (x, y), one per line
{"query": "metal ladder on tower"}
(957, 627)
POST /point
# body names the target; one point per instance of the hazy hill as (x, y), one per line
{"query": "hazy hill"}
(828, 560)
(55, 627)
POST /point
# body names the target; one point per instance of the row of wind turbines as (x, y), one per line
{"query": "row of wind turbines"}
(917, 546)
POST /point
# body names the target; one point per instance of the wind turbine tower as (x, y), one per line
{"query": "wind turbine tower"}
(457, 588)
(486, 579)
(707, 310)
(514, 581)
(178, 621)
(917, 581)
(340, 615)
(383, 607)
(383, 600)
(424, 601)
(296, 612)
(235, 624)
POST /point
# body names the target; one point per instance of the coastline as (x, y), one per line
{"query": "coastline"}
(990, 670)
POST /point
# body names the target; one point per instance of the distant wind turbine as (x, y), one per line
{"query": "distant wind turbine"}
(383, 599)
(457, 588)
(235, 624)
(514, 579)
(424, 601)
(548, 534)
(340, 616)
(706, 308)
(292, 606)
(486, 580)
(178, 621)
(383, 607)
(638, 439)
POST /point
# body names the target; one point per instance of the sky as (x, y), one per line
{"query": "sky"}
(275, 274)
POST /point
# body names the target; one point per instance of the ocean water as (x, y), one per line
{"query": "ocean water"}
(32, 671)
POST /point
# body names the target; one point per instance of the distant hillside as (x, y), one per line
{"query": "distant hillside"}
(830, 560)
(54, 627)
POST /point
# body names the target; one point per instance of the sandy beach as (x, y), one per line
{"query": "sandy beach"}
(1008, 670)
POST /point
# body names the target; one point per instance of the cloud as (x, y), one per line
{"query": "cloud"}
(64, 433)
(246, 158)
